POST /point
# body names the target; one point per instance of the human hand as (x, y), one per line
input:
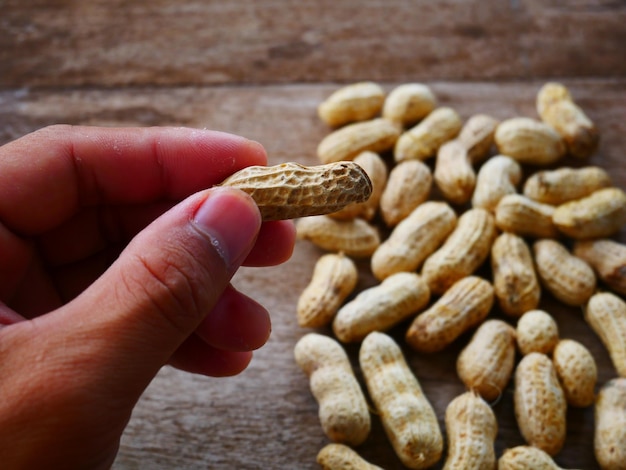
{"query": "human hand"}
(114, 261)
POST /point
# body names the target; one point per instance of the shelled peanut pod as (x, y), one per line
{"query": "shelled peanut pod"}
(561, 185)
(529, 141)
(477, 136)
(536, 331)
(577, 371)
(360, 101)
(607, 258)
(522, 216)
(610, 425)
(606, 314)
(526, 458)
(409, 103)
(341, 457)
(454, 174)
(497, 177)
(409, 185)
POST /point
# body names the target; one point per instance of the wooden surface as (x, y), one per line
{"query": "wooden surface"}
(259, 69)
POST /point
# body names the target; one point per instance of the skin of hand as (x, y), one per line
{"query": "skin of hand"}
(115, 260)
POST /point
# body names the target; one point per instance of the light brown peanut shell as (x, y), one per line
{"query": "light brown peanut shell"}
(355, 102)
(608, 260)
(515, 281)
(471, 429)
(567, 277)
(497, 177)
(463, 306)
(477, 136)
(462, 253)
(577, 371)
(356, 237)
(291, 190)
(599, 215)
(408, 103)
(376, 135)
(540, 406)
(486, 364)
(606, 314)
(380, 307)
(526, 458)
(537, 331)
(524, 217)
(341, 457)
(423, 140)
(343, 411)
(414, 239)
(408, 186)
(408, 418)
(610, 425)
(565, 184)
(529, 141)
(334, 278)
(454, 173)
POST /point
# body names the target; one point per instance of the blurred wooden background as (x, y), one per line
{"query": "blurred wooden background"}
(259, 69)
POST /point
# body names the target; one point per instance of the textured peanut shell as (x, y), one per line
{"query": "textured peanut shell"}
(414, 239)
(291, 190)
(608, 260)
(462, 253)
(341, 457)
(408, 186)
(355, 102)
(381, 307)
(486, 364)
(537, 331)
(454, 173)
(423, 140)
(376, 135)
(515, 281)
(526, 458)
(549, 94)
(606, 314)
(471, 429)
(565, 184)
(610, 425)
(334, 278)
(524, 217)
(356, 237)
(599, 215)
(539, 401)
(343, 410)
(577, 371)
(529, 141)
(496, 178)
(408, 418)
(463, 306)
(567, 277)
(408, 103)
(477, 136)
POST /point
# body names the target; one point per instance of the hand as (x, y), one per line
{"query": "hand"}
(106, 276)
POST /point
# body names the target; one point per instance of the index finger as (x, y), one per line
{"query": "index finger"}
(47, 176)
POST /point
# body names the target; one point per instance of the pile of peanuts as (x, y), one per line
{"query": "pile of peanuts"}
(443, 204)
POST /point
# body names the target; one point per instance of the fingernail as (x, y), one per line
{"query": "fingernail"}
(231, 221)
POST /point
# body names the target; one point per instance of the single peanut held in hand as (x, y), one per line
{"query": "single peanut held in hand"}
(341, 457)
(526, 458)
(343, 410)
(606, 314)
(471, 428)
(291, 190)
(610, 425)
(334, 278)
(408, 418)
(577, 371)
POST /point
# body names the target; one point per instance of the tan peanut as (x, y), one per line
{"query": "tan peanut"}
(515, 281)
(464, 305)
(454, 173)
(529, 141)
(557, 108)
(356, 237)
(599, 215)
(486, 364)
(376, 135)
(577, 371)
(376, 169)
(408, 418)
(567, 277)
(608, 260)
(526, 458)
(290, 190)
(334, 278)
(343, 410)
(566, 184)
(525, 217)
(497, 177)
(423, 140)
(408, 186)
(355, 102)
(408, 103)
(539, 401)
(380, 307)
(414, 239)
(477, 136)
(610, 425)
(537, 331)
(341, 457)
(462, 253)
(471, 428)
(606, 314)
